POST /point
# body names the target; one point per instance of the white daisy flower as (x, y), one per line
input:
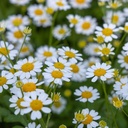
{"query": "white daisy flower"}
(125, 48)
(120, 84)
(107, 32)
(106, 50)
(17, 21)
(30, 85)
(57, 76)
(27, 67)
(58, 4)
(124, 91)
(16, 103)
(33, 125)
(35, 103)
(46, 53)
(61, 32)
(91, 61)
(73, 19)
(91, 49)
(26, 50)
(5, 80)
(86, 25)
(19, 2)
(126, 12)
(99, 71)
(116, 18)
(36, 11)
(90, 119)
(114, 4)
(70, 53)
(87, 94)
(16, 35)
(59, 63)
(43, 21)
(80, 4)
(78, 71)
(59, 106)
(123, 60)
(10, 52)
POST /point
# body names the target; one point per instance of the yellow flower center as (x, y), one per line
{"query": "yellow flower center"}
(59, 65)
(86, 25)
(43, 21)
(114, 5)
(17, 22)
(24, 49)
(36, 105)
(60, 3)
(62, 31)
(79, 117)
(96, 49)
(56, 98)
(82, 43)
(126, 28)
(50, 10)
(115, 19)
(105, 51)
(19, 103)
(57, 74)
(107, 31)
(102, 124)
(86, 94)
(75, 68)
(62, 126)
(88, 119)
(126, 59)
(3, 81)
(74, 21)
(27, 67)
(70, 54)
(80, 1)
(100, 72)
(100, 39)
(18, 34)
(118, 103)
(4, 51)
(47, 54)
(57, 104)
(38, 12)
(12, 70)
(91, 63)
(29, 87)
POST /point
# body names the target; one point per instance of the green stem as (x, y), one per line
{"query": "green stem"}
(41, 121)
(21, 48)
(51, 30)
(119, 48)
(124, 112)
(76, 125)
(49, 116)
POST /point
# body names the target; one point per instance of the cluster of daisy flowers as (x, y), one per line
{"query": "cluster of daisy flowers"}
(33, 76)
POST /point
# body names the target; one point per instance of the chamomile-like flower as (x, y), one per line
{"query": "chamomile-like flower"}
(7, 50)
(123, 60)
(106, 50)
(36, 11)
(5, 80)
(80, 4)
(46, 53)
(108, 32)
(70, 54)
(61, 32)
(114, 4)
(58, 4)
(91, 116)
(87, 94)
(99, 71)
(125, 48)
(86, 25)
(73, 19)
(78, 71)
(35, 103)
(57, 76)
(116, 18)
(17, 21)
(19, 2)
(27, 68)
(16, 35)
(33, 125)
